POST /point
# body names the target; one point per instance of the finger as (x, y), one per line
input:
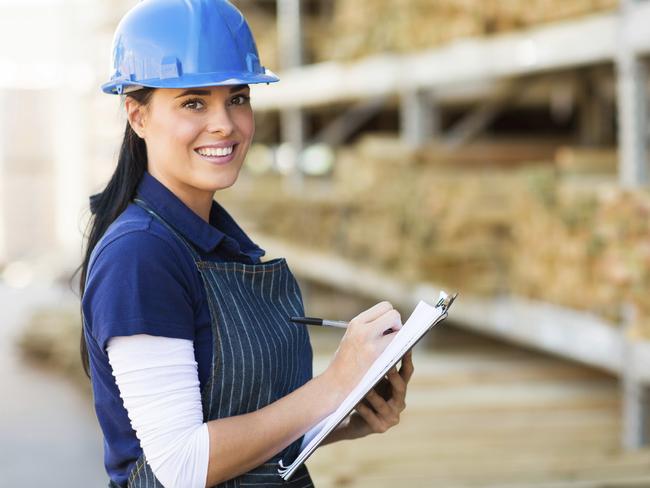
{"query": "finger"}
(389, 320)
(379, 404)
(370, 417)
(407, 368)
(397, 400)
(397, 383)
(373, 312)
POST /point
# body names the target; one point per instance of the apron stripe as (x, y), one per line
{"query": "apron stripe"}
(261, 338)
(286, 340)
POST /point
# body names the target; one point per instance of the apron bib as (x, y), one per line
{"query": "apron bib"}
(258, 355)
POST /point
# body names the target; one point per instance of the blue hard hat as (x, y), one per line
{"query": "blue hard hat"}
(184, 43)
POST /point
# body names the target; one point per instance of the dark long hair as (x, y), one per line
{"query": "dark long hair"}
(106, 206)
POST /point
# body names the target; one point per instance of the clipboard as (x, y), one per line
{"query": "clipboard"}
(424, 317)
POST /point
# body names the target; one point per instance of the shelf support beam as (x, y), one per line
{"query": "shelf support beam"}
(635, 413)
(292, 120)
(635, 406)
(631, 74)
(338, 130)
(418, 117)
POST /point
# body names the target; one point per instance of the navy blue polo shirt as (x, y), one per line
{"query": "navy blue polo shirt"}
(142, 280)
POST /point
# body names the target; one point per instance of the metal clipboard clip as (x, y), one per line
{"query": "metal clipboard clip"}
(445, 301)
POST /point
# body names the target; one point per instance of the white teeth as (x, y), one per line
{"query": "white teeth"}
(221, 151)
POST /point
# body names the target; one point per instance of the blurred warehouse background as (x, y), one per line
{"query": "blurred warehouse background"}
(493, 147)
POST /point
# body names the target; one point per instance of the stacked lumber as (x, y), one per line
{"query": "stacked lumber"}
(559, 231)
(366, 27)
(587, 248)
(51, 340)
(361, 28)
(581, 161)
(623, 232)
(419, 214)
(558, 250)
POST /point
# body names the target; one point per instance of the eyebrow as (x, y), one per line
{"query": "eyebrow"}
(207, 92)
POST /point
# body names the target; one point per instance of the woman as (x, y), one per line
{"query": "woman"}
(198, 377)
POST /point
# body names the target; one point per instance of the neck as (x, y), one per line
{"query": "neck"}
(200, 202)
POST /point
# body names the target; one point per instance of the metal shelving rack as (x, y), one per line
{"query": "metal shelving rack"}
(621, 39)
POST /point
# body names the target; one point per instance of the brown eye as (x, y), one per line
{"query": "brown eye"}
(193, 104)
(240, 99)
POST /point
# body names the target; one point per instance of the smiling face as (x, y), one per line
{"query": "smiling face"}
(196, 138)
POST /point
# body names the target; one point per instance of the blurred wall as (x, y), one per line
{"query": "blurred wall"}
(59, 134)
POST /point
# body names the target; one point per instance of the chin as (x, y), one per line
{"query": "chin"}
(219, 182)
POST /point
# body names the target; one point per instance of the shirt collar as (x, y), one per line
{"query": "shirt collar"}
(221, 231)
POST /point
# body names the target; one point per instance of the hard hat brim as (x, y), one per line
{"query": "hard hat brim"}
(117, 87)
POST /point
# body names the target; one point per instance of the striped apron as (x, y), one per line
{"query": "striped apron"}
(258, 355)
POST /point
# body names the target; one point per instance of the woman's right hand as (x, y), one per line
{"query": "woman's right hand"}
(362, 343)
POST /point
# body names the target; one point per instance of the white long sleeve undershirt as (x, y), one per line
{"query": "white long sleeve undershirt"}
(158, 381)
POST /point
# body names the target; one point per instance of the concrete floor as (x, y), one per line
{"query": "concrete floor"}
(49, 434)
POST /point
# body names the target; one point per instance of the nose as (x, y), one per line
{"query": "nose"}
(220, 121)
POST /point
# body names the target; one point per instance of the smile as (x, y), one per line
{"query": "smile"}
(217, 151)
(217, 155)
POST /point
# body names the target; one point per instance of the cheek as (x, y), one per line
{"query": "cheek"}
(175, 134)
(245, 124)
(183, 133)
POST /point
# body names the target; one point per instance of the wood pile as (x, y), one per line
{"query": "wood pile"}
(558, 250)
(586, 161)
(559, 231)
(587, 247)
(51, 339)
(361, 28)
(623, 234)
(365, 27)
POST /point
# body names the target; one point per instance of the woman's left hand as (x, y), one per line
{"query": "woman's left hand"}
(384, 414)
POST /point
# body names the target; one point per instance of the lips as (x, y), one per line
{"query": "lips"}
(217, 153)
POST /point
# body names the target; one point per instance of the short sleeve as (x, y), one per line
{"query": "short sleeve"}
(138, 285)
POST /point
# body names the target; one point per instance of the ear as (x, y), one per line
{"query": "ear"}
(136, 115)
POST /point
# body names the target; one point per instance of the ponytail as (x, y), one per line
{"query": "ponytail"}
(106, 206)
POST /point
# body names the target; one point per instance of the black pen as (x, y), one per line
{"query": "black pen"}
(316, 321)
(326, 323)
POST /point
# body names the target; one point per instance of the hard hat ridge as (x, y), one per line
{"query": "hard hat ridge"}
(184, 43)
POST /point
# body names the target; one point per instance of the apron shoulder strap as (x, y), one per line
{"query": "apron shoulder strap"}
(183, 241)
